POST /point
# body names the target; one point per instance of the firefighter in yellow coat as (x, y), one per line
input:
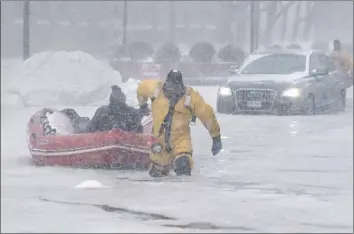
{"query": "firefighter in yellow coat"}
(173, 106)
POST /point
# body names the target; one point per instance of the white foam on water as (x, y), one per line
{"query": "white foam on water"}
(91, 184)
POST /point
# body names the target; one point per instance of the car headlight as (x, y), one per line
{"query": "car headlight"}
(224, 91)
(156, 148)
(293, 92)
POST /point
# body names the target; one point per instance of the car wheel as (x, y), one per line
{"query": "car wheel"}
(310, 105)
(222, 107)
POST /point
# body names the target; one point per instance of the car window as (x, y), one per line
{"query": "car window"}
(276, 64)
(315, 62)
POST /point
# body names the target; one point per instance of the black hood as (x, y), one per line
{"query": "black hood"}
(173, 87)
(117, 98)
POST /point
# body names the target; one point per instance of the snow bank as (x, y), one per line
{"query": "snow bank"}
(64, 79)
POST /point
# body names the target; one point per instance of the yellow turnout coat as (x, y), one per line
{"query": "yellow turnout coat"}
(190, 104)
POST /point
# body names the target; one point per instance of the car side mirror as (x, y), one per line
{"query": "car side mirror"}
(234, 69)
(319, 72)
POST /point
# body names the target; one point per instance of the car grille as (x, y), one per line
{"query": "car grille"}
(265, 96)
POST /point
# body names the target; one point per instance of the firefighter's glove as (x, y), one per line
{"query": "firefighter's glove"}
(145, 110)
(217, 145)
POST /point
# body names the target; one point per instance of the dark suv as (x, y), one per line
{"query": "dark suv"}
(284, 82)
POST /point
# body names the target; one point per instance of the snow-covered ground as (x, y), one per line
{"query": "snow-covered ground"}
(276, 174)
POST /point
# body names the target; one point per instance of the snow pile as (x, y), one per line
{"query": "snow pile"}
(66, 79)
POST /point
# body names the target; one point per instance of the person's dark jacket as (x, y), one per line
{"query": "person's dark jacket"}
(116, 115)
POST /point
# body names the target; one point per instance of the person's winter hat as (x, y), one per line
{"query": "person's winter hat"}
(175, 77)
(117, 96)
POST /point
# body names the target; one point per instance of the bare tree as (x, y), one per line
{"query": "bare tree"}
(284, 25)
(273, 14)
(241, 20)
(254, 12)
(308, 20)
(297, 21)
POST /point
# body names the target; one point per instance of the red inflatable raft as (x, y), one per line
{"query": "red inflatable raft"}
(52, 141)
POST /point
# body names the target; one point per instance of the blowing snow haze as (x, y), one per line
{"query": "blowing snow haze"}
(96, 27)
(274, 173)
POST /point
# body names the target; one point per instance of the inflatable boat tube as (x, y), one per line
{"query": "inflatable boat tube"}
(52, 141)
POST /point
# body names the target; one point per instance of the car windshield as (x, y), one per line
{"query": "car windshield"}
(276, 64)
